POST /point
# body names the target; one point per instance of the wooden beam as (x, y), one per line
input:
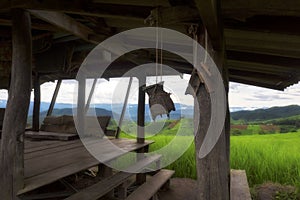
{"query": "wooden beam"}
(124, 108)
(88, 103)
(149, 3)
(37, 26)
(175, 15)
(289, 63)
(258, 75)
(131, 12)
(256, 83)
(260, 67)
(210, 11)
(242, 9)
(263, 43)
(67, 23)
(12, 143)
(37, 104)
(51, 106)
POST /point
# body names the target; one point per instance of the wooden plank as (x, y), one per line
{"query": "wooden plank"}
(51, 136)
(241, 9)
(41, 145)
(149, 3)
(66, 23)
(239, 188)
(99, 189)
(37, 26)
(77, 164)
(269, 43)
(151, 187)
(175, 15)
(12, 143)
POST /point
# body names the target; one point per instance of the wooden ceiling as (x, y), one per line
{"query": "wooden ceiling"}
(261, 37)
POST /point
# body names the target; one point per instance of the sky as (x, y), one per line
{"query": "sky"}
(113, 91)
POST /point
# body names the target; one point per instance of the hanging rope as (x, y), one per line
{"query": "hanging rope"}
(161, 55)
(156, 52)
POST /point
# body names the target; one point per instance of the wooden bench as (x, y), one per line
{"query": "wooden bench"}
(151, 187)
(103, 187)
(239, 188)
(63, 127)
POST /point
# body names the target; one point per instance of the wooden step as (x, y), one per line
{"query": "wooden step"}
(151, 187)
(101, 188)
(239, 188)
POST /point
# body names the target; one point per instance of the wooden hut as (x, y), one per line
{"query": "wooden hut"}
(252, 42)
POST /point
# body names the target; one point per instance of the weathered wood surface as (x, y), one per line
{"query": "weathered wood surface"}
(151, 187)
(53, 100)
(141, 111)
(239, 188)
(37, 103)
(12, 143)
(213, 170)
(101, 188)
(49, 161)
(51, 135)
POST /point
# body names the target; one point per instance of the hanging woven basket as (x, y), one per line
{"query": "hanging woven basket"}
(160, 101)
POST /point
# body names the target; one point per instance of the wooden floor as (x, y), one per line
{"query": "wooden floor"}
(48, 161)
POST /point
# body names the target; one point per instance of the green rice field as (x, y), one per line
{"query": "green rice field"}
(270, 157)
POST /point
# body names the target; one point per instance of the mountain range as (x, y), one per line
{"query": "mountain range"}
(186, 111)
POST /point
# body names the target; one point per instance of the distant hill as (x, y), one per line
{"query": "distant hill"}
(266, 114)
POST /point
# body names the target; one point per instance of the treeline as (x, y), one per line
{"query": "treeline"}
(260, 115)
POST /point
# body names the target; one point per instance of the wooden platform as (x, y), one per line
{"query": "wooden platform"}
(48, 161)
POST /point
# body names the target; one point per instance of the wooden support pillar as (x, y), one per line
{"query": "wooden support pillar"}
(88, 103)
(124, 108)
(213, 171)
(37, 104)
(141, 111)
(12, 144)
(81, 105)
(141, 178)
(51, 106)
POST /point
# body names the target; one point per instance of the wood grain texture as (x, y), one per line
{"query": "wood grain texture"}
(12, 143)
(239, 187)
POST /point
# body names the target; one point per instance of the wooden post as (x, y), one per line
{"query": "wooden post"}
(51, 106)
(12, 144)
(81, 105)
(37, 103)
(124, 108)
(141, 178)
(213, 171)
(88, 103)
(141, 111)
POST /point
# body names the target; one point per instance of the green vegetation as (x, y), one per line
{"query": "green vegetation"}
(266, 114)
(273, 157)
(265, 157)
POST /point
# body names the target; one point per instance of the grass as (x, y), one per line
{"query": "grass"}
(274, 157)
(271, 157)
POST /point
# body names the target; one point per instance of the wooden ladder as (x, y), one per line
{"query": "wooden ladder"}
(150, 188)
(103, 187)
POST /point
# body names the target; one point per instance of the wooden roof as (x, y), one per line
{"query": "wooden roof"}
(262, 37)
